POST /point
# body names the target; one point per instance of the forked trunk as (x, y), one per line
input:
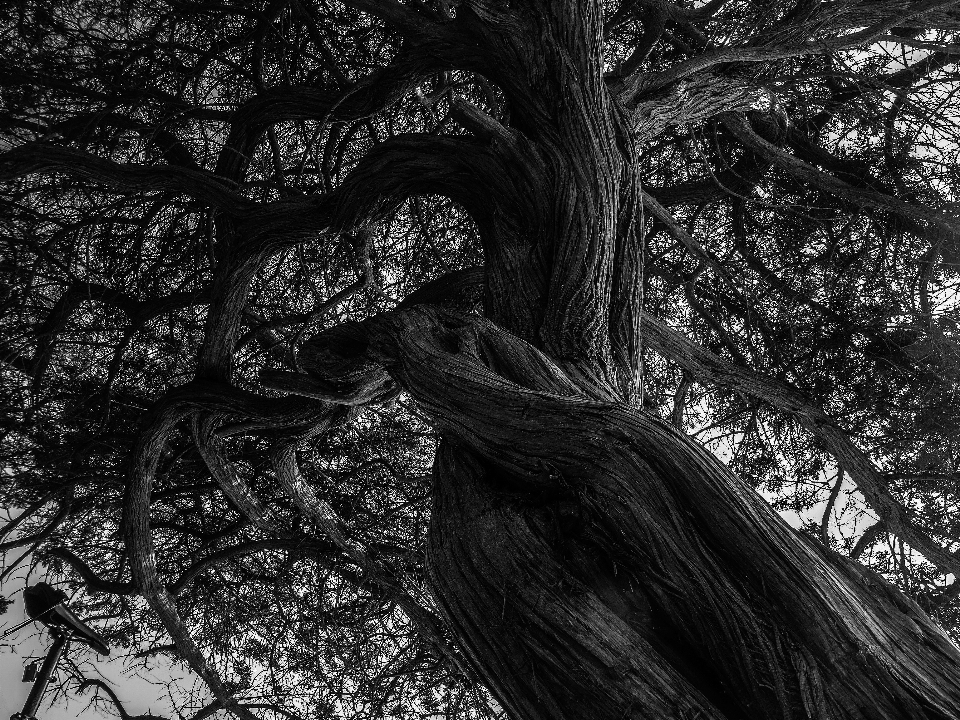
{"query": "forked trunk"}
(592, 562)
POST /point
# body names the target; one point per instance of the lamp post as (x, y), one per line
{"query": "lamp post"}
(48, 605)
(56, 651)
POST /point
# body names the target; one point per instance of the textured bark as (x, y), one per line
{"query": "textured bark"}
(595, 563)
(590, 561)
(197, 397)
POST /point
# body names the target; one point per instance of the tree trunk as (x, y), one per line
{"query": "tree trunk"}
(592, 562)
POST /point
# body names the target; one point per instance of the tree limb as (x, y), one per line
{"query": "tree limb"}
(40, 157)
(704, 364)
(648, 82)
(740, 129)
(93, 581)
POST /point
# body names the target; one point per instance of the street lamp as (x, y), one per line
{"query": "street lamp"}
(45, 603)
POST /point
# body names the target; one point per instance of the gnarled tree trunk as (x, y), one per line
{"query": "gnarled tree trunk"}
(594, 563)
(591, 561)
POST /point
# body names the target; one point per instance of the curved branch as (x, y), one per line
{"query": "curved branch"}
(369, 95)
(740, 128)
(12, 566)
(101, 685)
(654, 19)
(161, 421)
(737, 181)
(59, 315)
(665, 217)
(172, 149)
(828, 510)
(311, 316)
(613, 451)
(459, 168)
(694, 101)
(243, 548)
(868, 538)
(140, 311)
(225, 473)
(94, 582)
(143, 565)
(26, 514)
(367, 391)
(62, 512)
(40, 157)
(401, 17)
(457, 287)
(648, 82)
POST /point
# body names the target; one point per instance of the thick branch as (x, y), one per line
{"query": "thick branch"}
(162, 420)
(640, 480)
(740, 128)
(93, 581)
(704, 364)
(369, 95)
(694, 101)
(225, 473)
(647, 82)
(41, 157)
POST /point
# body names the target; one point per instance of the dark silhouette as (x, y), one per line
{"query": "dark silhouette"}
(46, 604)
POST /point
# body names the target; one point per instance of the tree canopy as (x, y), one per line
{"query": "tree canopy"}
(736, 217)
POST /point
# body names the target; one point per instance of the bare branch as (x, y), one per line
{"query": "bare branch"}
(646, 82)
(94, 582)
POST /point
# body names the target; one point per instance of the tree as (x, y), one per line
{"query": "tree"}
(264, 261)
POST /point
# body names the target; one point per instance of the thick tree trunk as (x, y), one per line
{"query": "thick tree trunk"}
(594, 563)
(590, 561)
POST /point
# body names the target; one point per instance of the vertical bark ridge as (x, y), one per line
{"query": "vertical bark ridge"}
(562, 241)
(547, 643)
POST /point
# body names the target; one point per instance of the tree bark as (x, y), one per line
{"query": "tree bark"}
(592, 562)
